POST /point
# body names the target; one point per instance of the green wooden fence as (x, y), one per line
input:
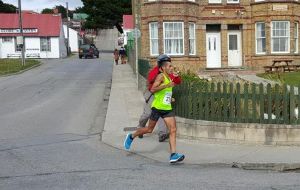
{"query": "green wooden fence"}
(233, 102)
(144, 67)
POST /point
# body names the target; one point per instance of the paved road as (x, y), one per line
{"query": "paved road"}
(51, 123)
(106, 40)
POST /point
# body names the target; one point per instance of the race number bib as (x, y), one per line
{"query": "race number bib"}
(168, 98)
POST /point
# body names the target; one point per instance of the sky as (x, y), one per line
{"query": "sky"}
(39, 5)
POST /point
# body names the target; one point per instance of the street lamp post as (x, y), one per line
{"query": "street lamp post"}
(21, 32)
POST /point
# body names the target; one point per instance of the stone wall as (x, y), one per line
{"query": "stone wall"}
(266, 134)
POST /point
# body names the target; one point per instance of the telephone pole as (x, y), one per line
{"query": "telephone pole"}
(21, 32)
(68, 34)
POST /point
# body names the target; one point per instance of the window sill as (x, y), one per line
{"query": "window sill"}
(274, 1)
(260, 54)
(168, 2)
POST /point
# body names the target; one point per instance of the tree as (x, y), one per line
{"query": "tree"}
(61, 9)
(79, 10)
(105, 14)
(7, 8)
(47, 11)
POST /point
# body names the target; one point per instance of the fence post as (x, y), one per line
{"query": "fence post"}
(277, 104)
(225, 98)
(219, 103)
(212, 115)
(253, 93)
(185, 100)
(261, 102)
(269, 103)
(231, 111)
(206, 109)
(238, 103)
(246, 99)
(298, 104)
(292, 105)
(285, 104)
(200, 101)
(195, 102)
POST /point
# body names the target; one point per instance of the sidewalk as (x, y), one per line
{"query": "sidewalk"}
(126, 105)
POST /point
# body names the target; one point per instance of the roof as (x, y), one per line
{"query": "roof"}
(46, 24)
(80, 16)
(128, 22)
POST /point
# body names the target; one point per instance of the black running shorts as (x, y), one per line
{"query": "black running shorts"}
(156, 114)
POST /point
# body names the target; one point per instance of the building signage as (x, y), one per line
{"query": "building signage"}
(280, 7)
(16, 31)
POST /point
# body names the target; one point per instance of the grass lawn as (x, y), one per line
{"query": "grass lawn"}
(9, 66)
(291, 78)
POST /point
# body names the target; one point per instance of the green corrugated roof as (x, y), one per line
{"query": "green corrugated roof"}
(80, 16)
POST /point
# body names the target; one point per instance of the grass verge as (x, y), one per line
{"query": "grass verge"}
(10, 66)
(292, 78)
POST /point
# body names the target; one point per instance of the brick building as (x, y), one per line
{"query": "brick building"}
(219, 33)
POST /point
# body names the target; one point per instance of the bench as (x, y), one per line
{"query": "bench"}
(14, 55)
(33, 55)
(282, 65)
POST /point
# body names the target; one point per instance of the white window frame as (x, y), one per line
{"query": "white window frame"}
(48, 48)
(296, 37)
(182, 38)
(152, 38)
(288, 37)
(192, 38)
(256, 39)
(214, 1)
(233, 1)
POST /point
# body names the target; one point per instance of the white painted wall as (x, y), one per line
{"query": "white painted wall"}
(32, 46)
(7, 48)
(74, 38)
(54, 53)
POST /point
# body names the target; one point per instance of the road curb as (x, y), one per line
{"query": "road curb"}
(280, 167)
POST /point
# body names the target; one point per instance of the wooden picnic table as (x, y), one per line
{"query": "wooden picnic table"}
(281, 65)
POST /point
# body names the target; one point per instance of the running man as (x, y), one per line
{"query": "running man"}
(161, 107)
(163, 133)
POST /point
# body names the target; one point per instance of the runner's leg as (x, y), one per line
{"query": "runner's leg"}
(171, 124)
(144, 130)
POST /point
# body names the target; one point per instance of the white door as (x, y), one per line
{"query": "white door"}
(234, 49)
(213, 50)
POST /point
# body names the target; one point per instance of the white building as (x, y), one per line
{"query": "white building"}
(128, 27)
(74, 38)
(44, 36)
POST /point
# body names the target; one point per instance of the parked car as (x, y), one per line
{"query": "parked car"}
(88, 50)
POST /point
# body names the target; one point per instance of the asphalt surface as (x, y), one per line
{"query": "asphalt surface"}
(51, 120)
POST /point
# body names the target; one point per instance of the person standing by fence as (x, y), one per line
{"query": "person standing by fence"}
(161, 107)
(116, 56)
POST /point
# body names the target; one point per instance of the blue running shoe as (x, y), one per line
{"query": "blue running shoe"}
(176, 157)
(127, 142)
